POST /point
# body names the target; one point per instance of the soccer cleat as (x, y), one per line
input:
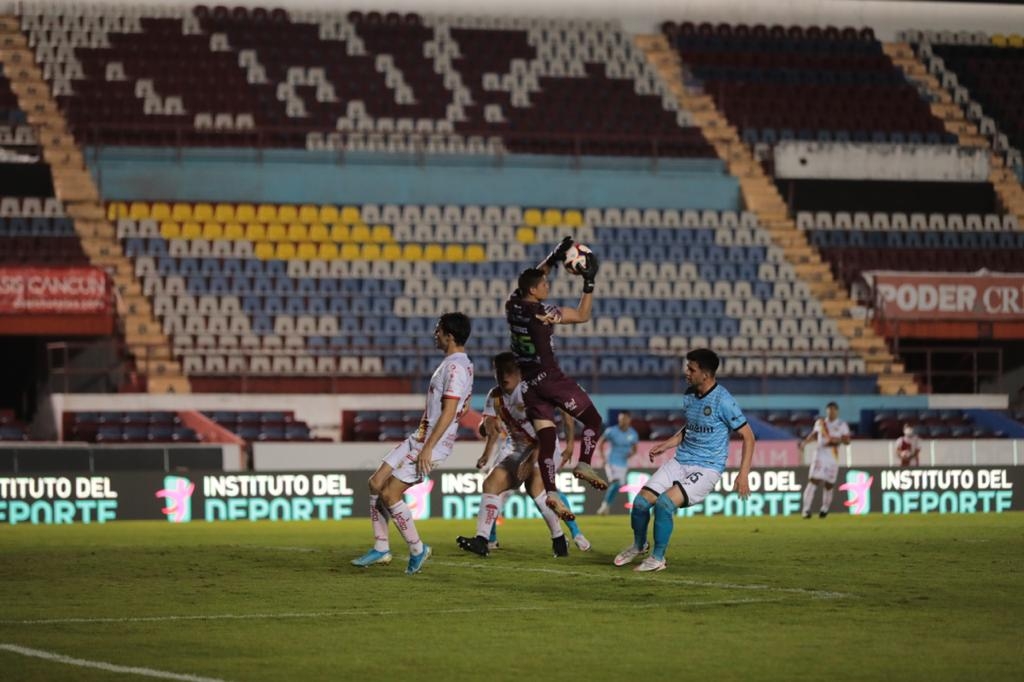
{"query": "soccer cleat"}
(556, 505)
(373, 557)
(582, 542)
(603, 509)
(587, 473)
(416, 561)
(627, 555)
(559, 546)
(494, 545)
(475, 544)
(822, 514)
(650, 565)
(807, 515)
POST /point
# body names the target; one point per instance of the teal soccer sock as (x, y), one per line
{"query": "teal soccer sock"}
(640, 518)
(664, 523)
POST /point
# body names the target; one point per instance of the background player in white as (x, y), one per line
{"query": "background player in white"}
(829, 433)
(702, 447)
(623, 439)
(447, 399)
(908, 447)
(505, 412)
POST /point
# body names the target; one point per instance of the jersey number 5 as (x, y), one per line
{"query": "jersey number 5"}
(522, 344)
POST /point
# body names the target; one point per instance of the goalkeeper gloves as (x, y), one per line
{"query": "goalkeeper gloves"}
(589, 273)
(558, 254)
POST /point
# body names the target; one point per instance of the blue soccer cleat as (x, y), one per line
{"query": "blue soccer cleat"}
(416, 561)
(373, 557)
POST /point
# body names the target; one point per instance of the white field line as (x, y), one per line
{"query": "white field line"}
(363, 612)
(102, 665)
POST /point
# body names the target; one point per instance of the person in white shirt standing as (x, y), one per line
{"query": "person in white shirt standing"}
(908, 447)
(411, 460)
(829, 433)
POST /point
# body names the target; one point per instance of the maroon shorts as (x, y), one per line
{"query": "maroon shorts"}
(548, 392)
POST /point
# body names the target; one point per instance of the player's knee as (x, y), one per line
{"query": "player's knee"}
(665, 504)
(641, 504)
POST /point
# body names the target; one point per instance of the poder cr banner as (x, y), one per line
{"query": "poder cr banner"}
(455, 495)
(939, 296)
(53, 290)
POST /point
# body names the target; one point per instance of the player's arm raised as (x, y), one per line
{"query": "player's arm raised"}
(449, 407)
(742, 486)
(556, 256)
(570, 437)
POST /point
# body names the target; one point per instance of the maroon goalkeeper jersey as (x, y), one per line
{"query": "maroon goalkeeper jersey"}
(532, 340)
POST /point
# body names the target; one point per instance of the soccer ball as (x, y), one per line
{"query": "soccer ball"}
(576, 258)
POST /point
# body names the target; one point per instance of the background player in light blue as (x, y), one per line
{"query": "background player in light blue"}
(623, 439)
(702, 446)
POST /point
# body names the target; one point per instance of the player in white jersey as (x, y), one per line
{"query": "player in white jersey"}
(411, 460)
(516, 462)
(829, 433)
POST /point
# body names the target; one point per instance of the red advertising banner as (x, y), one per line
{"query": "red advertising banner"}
(938, 296)
(67, 291)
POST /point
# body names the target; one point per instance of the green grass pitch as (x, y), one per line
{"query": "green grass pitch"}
(845, 598)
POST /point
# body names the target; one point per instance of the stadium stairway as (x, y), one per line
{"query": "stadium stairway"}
(762, 197)
(75, 187)
(944, 105)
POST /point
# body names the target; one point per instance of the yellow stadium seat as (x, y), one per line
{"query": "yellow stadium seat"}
(433, 252)
(287, 213)
(999, 40)
(202, 212)
(359, 233)
(475, 253)
(454, 253)
(245, 213)
(181, 211)
(297, 232)
(391, 252)
(329, 214)
(213, 230)
(255, 232)
(191, 230)
(350, 215)
(328, 251)
(224, 213)
(1015, 40)
(170, 229)
(349, 251)
(138, 210)
(370, 252)
(308, 214)
(159, 211)
(381, 234)
(526, 235)
(264, 250)
(234, 231)
(339, 232)
(117, 209)
(532, 217)
(319, 233)
(276, 232)
(412, 252)
(572, 218)
(285, 251)
(552, 216)
(307, 251)
(266, 213)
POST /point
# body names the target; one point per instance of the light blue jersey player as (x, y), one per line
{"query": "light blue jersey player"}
(623, 439)
(702, 446)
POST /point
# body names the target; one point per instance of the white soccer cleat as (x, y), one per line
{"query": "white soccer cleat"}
(627, 555)
(650, 565)
(603, 509)
(582, 542)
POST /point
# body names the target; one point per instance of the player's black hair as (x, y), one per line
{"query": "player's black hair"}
(833, 404)
(456, 324)
(528, 279)
(705, 358)
(505, 363)
(626, 412)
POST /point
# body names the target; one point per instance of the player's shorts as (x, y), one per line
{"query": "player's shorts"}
(510, 459)
(551, 392)
(616, 473)
(695, 481)
(402, 459)
(824, 468)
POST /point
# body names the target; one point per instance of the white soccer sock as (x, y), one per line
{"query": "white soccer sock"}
(826, 498)
(490, 507)
(380, 526)
(549, 516)
(402, 515)
(809, 497)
